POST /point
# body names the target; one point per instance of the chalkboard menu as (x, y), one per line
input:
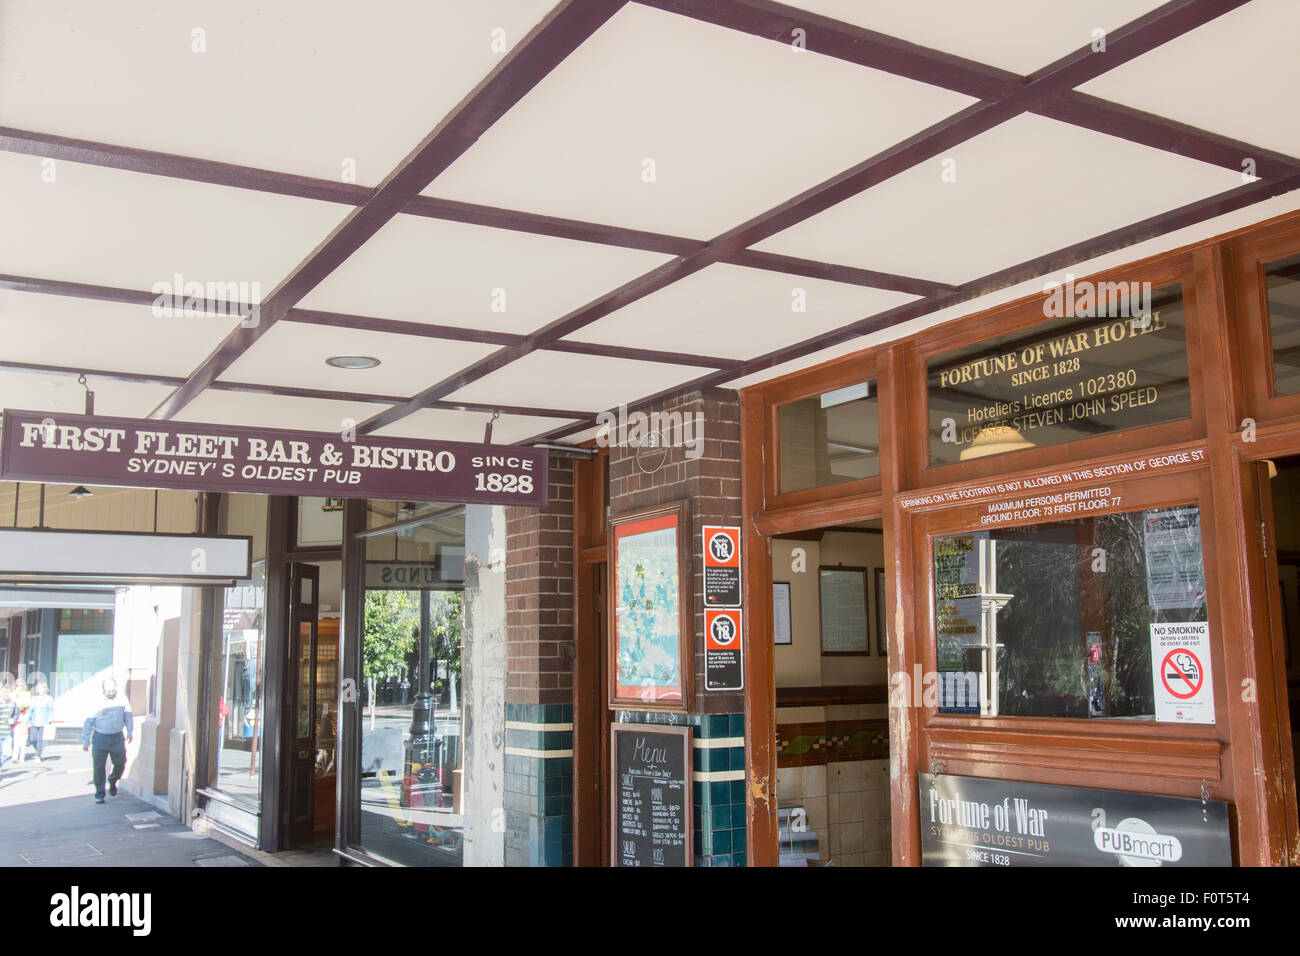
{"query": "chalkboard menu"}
(1107, 359)
(651, 795)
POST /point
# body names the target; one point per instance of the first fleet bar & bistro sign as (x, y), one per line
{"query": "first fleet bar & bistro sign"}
(80, 449)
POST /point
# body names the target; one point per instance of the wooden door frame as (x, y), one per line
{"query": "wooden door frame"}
(591, 715)
(300, 612)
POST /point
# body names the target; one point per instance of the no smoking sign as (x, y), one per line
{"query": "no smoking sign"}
(1180, 672)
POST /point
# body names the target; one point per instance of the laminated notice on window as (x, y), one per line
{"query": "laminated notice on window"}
(1175, 573)
(1180, 672)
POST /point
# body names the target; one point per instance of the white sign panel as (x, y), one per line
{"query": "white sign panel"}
(27, 553)
(1175, 573)
(1180, 672)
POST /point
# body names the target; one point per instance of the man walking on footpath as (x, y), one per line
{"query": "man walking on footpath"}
(104, 732)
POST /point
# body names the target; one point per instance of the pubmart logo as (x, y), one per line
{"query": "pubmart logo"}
(1137, 843)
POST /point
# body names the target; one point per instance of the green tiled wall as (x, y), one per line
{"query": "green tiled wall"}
(718, 805)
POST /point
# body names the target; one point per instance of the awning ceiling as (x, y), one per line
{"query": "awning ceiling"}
(551, 209)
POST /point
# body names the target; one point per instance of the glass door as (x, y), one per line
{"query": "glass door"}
(302, 709)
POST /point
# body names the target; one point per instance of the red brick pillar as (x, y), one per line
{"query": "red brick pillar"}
(539, 677)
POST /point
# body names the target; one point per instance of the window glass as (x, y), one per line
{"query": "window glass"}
(238, 705)
(238, 684)
(1282, 285)
(1060, 620)
(412, 780)
(320, 522)
(1088, 371)
(829, 438)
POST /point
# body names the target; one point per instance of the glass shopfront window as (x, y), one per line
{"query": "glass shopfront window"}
(239, 670)
(1083, 618)
(413, 679)
(829, 438)
(1282, 287)
(1102, 368)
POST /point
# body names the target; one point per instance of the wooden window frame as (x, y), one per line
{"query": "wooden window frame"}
(801, 387)
(1245, 259)
(1115, 753)
(1022, 317)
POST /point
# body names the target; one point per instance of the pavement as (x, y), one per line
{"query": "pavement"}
(48, 817)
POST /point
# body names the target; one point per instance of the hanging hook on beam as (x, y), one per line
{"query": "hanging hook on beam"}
(487, 430)
(90, 396)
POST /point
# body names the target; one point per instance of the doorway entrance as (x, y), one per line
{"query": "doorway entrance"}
(312, 701)
(830, 693)
(1284, 579)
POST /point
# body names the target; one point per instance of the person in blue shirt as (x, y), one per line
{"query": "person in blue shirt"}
(104, 732)
(40, 715)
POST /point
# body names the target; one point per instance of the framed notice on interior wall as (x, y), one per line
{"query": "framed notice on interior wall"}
(882, 631)
(781, 633)
(652, 609)
(844, 610)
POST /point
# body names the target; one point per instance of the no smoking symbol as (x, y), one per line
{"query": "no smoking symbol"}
(724, 630)
(1181, 673)
(720, 545)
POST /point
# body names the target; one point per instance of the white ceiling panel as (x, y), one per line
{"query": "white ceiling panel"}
(293, 353)
(1025, 188)
(295, 86)
(440, 424)
(565, 380)
(1260, 212)
(215, 407)
(1237, 76)
(1017, 35)
(105, 335)
(61, 393)
(734, 125)
(448, 273)
(736, 312)
(109, 227)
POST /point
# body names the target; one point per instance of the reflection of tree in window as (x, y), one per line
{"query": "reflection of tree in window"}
(1074, 585)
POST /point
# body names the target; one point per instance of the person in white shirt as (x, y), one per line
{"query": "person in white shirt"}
(104, 731)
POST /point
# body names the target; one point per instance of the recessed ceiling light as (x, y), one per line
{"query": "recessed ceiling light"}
(352, 361)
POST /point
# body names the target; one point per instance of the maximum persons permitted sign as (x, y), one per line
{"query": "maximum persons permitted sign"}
(1180, 672)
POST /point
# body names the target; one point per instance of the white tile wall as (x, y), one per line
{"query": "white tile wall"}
(848, 807)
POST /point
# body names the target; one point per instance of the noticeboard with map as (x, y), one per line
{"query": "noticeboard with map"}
(651, 608)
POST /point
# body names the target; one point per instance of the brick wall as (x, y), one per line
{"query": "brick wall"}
(711, 482)
(538, 778)
(539, 595)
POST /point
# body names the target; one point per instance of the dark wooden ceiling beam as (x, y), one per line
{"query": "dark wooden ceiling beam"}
(854, 44)
(306, 187)
(559, 33)
(347, 320)
(1124, 44)
(1151, 227)
(288, 391)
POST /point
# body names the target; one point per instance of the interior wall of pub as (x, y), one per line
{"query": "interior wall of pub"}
(833, 758)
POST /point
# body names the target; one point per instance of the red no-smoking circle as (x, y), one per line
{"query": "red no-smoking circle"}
(1182, 673)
